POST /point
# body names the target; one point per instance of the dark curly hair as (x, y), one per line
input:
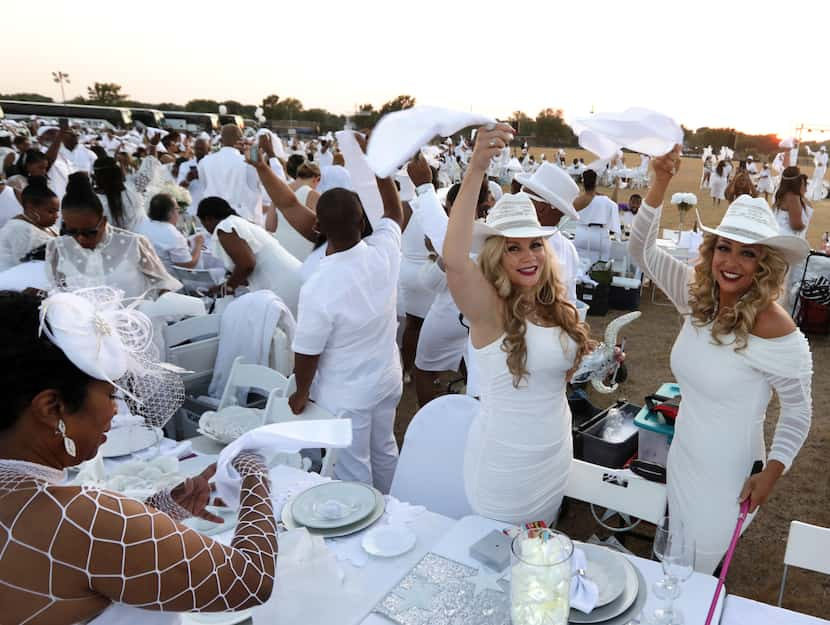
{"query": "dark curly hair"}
(31, 362)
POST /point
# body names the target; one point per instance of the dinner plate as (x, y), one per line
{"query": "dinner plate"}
(606, 569)
(334, 504)
(380, 507)
(229, 516)
(388, 541)
(216, 618)
(623, 602)
(128, 439)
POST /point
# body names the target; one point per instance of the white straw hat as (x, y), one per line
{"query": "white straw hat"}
(513, 216)
(554, 186)
(750, 220)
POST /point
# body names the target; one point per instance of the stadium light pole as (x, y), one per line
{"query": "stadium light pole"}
(61, 77)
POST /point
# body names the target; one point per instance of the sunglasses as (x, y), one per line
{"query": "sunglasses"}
(83, 232)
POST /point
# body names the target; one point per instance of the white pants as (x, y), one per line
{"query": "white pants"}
(373, 454)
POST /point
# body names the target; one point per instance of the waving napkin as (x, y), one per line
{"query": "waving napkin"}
(278, 438)
(584, 592)
(398, 136)
(638, 129)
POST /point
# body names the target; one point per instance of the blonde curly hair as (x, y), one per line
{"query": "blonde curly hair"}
(738, 320)
(548, 301)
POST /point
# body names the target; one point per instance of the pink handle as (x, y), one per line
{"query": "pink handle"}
(734, 543)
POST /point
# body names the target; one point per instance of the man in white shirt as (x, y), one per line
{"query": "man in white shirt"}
(750, 166)
(79, 156)
(325, 157)
(50, 139)
(598, 217)
(346, 330)
(189, 174)
(225, 174)
(109, 142)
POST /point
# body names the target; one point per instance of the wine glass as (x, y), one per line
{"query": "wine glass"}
(675, 549)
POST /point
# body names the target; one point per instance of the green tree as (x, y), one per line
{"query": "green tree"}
(202, 106)
(527, 125)
(551, 128)
(289, 108)
(397, 104)
(105, 94)
(25, 97)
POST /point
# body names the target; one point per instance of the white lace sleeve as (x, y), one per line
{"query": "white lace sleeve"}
(670, 274)
(795, 397)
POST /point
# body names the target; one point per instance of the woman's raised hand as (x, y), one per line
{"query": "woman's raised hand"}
(489, 142)
(667, 166)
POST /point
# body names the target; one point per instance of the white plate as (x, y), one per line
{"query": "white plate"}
(334, 504)
(230, 423)
(606, 570)
(380, 507)
(388, 541)
(229, 520)
(620, 604)
(216, 618)
(128, 439)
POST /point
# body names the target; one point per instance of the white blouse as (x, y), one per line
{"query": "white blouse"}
(19, 237)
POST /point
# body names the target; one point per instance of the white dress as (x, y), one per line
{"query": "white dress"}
(414, 297)
(17, 238)
(122, 260)
(276, 270)
(519, 448)
(133, 209)
(719, 432)
(717, 185)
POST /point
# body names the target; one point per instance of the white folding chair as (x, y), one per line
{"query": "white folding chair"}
(192, 344)
(430, 469)
(808, 547)
(244, 377)
(194, 280)
(617, 489)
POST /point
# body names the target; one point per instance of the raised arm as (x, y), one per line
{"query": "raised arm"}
(297, 214)
(429, 213)
(670, 274)
(476, 298)
(391, 200)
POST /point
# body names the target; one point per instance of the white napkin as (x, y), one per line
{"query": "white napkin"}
(278, 438)
(398, 136)
(584, 592)
(638, 129)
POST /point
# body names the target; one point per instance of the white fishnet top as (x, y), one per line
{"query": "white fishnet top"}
(69, 552)
(785, 362)
(122, 260)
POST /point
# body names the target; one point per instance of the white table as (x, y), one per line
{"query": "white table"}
(740, 611)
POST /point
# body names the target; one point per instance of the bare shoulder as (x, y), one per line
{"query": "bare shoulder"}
(773, 322)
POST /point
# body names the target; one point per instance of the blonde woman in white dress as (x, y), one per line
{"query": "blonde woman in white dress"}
(736, 346)
(527, 339)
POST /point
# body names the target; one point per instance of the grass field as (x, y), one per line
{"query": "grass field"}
(802, 494)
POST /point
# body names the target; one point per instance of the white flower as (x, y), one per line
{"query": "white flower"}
(684, 200)
(179, 194)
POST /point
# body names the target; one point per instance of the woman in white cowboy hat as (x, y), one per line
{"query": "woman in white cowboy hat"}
(736, 346)
(526, 336)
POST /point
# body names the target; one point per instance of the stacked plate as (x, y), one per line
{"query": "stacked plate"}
(334, 509)
(622, 589)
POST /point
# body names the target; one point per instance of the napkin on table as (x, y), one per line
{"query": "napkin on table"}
(584, 592)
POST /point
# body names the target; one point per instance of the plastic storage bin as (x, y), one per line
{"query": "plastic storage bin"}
(655, 434)
(596, 297)
(591, 447)
(624, 293)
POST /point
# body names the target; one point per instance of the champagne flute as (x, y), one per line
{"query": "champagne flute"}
(675, 549)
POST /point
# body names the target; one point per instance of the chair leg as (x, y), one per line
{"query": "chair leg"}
(781, 591)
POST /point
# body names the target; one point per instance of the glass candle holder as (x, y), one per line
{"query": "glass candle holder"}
(540, 577)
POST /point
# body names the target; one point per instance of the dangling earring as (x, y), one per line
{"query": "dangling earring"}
(68, 443)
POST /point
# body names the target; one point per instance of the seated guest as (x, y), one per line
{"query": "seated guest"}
(170, 244)
(249, 252)
(69, 554)
(346, 330)
(10, 205)
(93, 253)
(123, 205)
(31, 228)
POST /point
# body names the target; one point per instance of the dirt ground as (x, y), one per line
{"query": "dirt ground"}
(803, 494)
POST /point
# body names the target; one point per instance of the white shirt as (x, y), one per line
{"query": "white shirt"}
(170, 244)
(110, 145)
(225, 174)
(568, 259)
(81, 158)
(347, 315)
(9, 206)
(325, 159)
(196, 187)
(602, 210)
(58, 176)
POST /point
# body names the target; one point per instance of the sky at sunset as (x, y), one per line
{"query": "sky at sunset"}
(758, 69)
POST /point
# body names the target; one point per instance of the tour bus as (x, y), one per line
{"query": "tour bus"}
(118, 117)
(193, 122)
(149, 117)
(232, 119)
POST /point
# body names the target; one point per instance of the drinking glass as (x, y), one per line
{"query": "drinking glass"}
(675, 549)
(540, 582)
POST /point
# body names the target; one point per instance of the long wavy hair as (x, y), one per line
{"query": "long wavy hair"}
(791, 182)
(547, 301)
(736, 320)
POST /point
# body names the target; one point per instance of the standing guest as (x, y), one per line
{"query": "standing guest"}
(123, 205)
(325, 157)
(78, 156)
(741, 184)
(346, 356)
(717, 183)
(793, 213)
(92, 252)
(58, 167)
(189, 174)
(707, 173)
(225, 174)
(32, 228)
(527, 339)
(765, 182)
(80, 554)
(170, 244)
(599, 216)
(249, 252)
(305, 184)
(736, 346)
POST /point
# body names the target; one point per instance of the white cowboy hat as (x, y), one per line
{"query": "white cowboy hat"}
(513, 216)
(554, 186)
(750, 220)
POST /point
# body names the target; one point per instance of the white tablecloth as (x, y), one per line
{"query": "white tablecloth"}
(740, 611)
